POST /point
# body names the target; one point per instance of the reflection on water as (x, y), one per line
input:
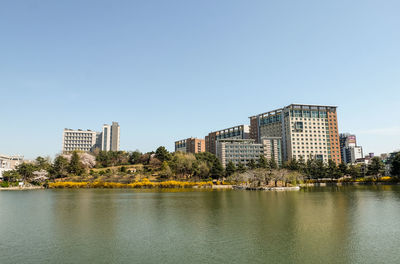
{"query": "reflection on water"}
(331, 225)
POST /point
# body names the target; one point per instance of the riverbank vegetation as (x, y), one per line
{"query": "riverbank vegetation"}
(161, 168)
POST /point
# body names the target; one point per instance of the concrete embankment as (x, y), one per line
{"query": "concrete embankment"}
(292, 188)
(17, 188)
(324, 184)
(222, 187)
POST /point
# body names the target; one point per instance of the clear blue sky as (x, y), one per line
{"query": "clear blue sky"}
(167, 70)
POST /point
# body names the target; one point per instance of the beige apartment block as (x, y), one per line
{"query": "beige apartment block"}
(190, 145)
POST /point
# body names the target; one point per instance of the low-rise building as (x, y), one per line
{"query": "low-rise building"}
(190, 145)
(244, 150)
(236, 132)
(9, 163)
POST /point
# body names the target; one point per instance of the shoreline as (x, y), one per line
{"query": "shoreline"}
(185, 185)
(17, 188)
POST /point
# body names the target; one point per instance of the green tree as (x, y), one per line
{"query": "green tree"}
(203, 170)
(26, 171)
(230, 168)
(162, 154)
(272, 164)
(292, 165)
(240, 167)
(42, 163)
(251, 165)
(376, 167)
(11, 176)
(60, 167)
(217, 171)
(134, 157)
(332, 170)
(262, 162)
(301, 164)
(166, 171)
(182, 163)
(75, 166)
(343, 169)
(395, 165)
(354, 171)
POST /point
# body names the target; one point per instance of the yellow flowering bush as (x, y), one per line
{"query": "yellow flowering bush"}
(145, 183)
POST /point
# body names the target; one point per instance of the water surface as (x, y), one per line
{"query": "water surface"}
(317, 225)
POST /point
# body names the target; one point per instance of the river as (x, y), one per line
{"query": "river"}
(358, 224)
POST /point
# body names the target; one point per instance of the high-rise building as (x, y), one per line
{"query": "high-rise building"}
(349, 150)
(307, 131)
(244, 150)
(114, 136)
(88, 140)
(106, 138)
(237, 132)
(190, 145)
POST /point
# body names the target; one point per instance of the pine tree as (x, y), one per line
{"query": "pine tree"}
(230, 168)
(262, 162)
(251, 165)
(395, 166)
(75, 166)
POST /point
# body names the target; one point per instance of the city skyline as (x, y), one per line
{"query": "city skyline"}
(147, 64)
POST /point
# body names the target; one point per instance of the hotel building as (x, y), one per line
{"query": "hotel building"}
(307, 131)
(190, 145)
(237, 132)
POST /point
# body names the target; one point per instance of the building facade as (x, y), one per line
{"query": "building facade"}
(350, 152)
(272, 147)
(237, 132)
(88, 140)
(114, 146)
(180, 145)
(190, 145)
(243, 150)
(9, 163)
(79, 140)
(306, 131)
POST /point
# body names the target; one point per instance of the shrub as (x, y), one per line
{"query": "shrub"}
(145, 183)
(4, 184)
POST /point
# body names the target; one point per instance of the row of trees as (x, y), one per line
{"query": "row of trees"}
(186, 165)
(318, 169)
(42, 168)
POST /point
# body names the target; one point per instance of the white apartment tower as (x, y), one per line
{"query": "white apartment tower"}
(106, 138)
